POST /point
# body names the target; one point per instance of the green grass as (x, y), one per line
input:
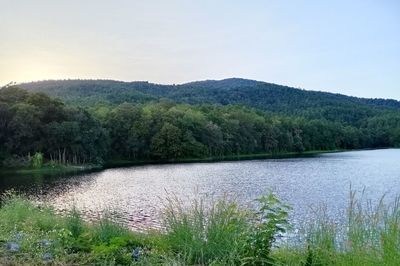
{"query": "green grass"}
(201, 233)
(370, 237)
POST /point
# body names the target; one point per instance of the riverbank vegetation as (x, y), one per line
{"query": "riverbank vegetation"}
(219, 233)
(34, 124)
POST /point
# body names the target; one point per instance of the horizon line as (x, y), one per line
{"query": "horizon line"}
(194, 81)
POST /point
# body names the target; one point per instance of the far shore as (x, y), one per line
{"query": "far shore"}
(71, 169)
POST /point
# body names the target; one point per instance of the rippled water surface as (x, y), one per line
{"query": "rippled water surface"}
(135, 196)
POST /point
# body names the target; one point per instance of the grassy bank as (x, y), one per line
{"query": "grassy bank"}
(50, 169)
(60, 168)
(222, 234)
(53, 169)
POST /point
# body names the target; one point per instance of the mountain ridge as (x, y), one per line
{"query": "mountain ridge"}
(263, 96)
(34, 85)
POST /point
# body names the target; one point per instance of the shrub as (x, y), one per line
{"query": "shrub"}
(266, 227)
(37, 160)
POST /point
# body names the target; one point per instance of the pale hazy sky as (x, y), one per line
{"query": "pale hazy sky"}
(350, 47)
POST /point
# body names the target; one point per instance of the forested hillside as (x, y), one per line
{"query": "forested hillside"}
(254, 94)
(141, 121)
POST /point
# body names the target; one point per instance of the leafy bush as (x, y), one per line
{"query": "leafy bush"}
(37, 160)
(267, 225)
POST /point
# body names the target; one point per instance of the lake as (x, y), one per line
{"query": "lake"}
(135, 196)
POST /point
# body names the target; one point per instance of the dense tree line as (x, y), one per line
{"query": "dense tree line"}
(264, 96)
(34, 122)
(165, 130)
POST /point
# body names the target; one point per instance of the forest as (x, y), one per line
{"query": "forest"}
(267, 97)
(167, 129)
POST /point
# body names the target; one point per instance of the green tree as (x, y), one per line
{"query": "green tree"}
(167, 143)
(120, 123)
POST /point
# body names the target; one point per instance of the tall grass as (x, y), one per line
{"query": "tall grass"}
(223, 233)
(216, 233)
(371, 236)
(200, 235)
(74, 222)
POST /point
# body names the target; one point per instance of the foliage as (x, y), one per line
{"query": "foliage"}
(74, 223)
(270, 223)
(37, 160)
(165, 130)
(250, 93)
(32, 122)
(201, 235)
(216, 234)
(167, 143)
(16, 161)
(370, 237)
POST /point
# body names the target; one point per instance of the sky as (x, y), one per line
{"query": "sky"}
(348, 47)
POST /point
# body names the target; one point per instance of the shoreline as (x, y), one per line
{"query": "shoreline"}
(230, 158)
(36, 235)
(48, 170)
(74, 169)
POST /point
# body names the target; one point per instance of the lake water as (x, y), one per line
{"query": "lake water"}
(135, 196)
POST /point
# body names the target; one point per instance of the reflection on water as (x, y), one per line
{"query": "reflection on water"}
(135, 196)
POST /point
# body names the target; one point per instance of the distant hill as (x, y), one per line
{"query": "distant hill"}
(255, 94)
